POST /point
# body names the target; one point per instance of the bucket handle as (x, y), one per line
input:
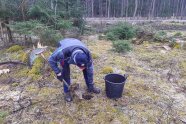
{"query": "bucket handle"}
(126, 76)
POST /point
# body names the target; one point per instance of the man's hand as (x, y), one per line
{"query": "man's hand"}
(60, 77)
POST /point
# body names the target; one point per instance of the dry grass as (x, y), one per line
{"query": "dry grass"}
(149, 95)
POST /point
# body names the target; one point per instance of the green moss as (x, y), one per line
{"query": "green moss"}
(105, 114)
(35, 77)
(108, 114)
(102, 117)
(37, 66)
(183, 66)
(146, 43)
(32, 89)
(15, 84)
(47, 54)
(3, 115)
(25, 57)
(14, 48)
(94, 55)
(48, 91)
(107, 70)
(22, 72)
(177, 45)
(123, 118)
(146, 112)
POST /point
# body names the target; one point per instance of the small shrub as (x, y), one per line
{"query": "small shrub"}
(122, 46)
(50, 37)
(107, 70)
(173, 22)
(162, 33)
(111, 36)
(160, 36)
(26, 27)
(64, 24)
(178, 34)
(36, 12)
(15, 48)
(80, 23)
(121, 31)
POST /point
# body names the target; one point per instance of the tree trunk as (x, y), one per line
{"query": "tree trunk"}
(149, 15)
(51, 4)
(8, 30)
(177, 10)
(127, 3)
(182, 9)
(153, 7)
(108, 9)
(2, 35)
(23, 9)
(122, 8)
(114, 15)
(56, 13)
(67, 8)
(141, 8)
(100, 8)
(136, 7)
(92, 4)
(86, 8)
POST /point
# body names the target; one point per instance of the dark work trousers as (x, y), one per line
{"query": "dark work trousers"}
(88, 76)
(66, 75)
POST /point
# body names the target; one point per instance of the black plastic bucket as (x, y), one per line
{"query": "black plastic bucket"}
(114, 85)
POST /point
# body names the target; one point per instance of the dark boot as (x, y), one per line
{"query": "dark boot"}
(93, 89)
(68, 97)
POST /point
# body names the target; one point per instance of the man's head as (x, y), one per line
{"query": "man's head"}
(81, 60)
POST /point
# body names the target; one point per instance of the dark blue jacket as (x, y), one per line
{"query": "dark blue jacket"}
(64, 53)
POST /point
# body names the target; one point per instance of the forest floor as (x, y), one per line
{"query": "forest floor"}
(154, 93)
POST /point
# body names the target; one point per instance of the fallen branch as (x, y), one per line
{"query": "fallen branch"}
(13, 62)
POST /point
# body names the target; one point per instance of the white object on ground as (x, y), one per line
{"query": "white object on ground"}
(163, 51)
(167, 47)
(4, 71)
